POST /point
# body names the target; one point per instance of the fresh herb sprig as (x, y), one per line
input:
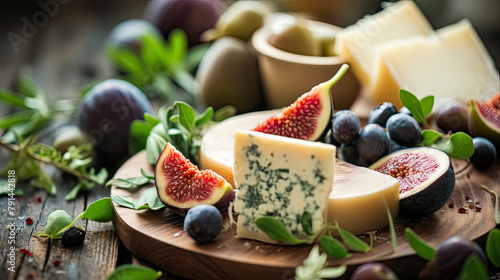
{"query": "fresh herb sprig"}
(457, 145)
(180, 124)
(160, 64)
(33, 111)
(134, 272)
(313, 267)
(28, 156)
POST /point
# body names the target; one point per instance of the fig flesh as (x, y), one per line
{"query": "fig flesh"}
(181, 185)
(426, 178)
(484, 119)
(309, 117)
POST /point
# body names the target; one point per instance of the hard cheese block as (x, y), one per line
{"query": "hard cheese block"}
(281, 177)
(356, 201)
(357, 42)
(452, 64)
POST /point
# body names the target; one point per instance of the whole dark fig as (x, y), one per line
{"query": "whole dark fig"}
(450, 257)
(452, 116)
(192, 16)
(374, 271)
(128, 34)
(106, 113)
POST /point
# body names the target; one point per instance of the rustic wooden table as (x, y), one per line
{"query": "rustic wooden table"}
(61, 53)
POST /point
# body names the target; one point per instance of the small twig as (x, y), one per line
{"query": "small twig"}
(463, 169)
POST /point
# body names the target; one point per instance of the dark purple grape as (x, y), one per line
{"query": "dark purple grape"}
(203, 223)
(372, 143)
(452, 116)
(349, 153)
(404, 130)
(395, 146)
(450, 257)
(381, 113)
(374, 271)
(485, 153)
(128, 34)
(345, 126)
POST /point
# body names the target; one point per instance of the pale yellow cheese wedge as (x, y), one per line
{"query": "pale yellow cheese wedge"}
(357, 42)
(355, 201)
(452, 64)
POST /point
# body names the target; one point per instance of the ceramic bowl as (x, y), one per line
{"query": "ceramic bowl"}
(286, 76)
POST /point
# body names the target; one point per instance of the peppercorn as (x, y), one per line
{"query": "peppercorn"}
(73, 237)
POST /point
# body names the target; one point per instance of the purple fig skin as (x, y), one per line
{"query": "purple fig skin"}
(452, 116)
(128, 34)
(192, 16)
(374, 271)
(432, 198)
(106, 113)
(450, 257)
(483, 125)
(222, 204)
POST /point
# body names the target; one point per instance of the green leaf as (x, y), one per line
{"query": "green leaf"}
(56, 221)
(224, 113)
(421, 248)
(429, 137)
(125, 59)
(178, 44)
(391, 224)
(352, 241)
(205, 117)
(138, 133)
(154, 146)
(152, 50)
(44, 182)
(332, 272)
(101, 177)
(496, 202)
(74, 191)
(151, 120)
(27, 86)
(134, 272)
(195, 55)
(187, 115)
(306, 221)
(149, 200)
(474, 269)
(149, 176)
(413, 104)
(124, 201)
(459, 146)
(99, 211)
(427, 103)
(128, 182)
(15, 118)
(6, 187)
(276, 230)
(333, 247)
(12, 98)
(493, 246)
(312, 265)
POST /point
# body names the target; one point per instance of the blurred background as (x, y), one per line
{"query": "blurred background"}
(64, 50)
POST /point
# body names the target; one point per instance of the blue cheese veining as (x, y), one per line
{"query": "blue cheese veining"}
(281, 177)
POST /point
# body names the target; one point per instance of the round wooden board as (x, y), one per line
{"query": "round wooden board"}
(158, 236)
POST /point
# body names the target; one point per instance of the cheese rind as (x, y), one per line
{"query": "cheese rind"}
(357, 42)
(452, 64)
(281, 177)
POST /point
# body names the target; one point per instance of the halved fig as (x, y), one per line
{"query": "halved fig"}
(181, 185)
(309, 117)
(484, 119)
(425, 175)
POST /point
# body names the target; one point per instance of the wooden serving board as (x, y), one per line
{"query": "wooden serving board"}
(158, 236)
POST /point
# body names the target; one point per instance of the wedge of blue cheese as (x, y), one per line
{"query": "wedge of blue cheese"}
(280, 177)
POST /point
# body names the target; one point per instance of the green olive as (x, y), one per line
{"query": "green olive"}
(239, 20)
(290, 34)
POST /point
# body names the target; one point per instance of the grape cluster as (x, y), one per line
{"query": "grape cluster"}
(387, 131)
